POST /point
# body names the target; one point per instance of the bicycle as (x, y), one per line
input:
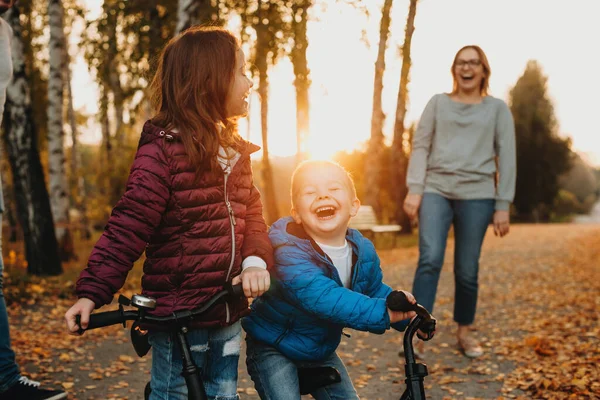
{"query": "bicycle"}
(178, 323)
(423, 322)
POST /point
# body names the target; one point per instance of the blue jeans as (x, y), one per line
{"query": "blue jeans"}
(216, 351)
(276, 377)
(470, 219)
(9, 371)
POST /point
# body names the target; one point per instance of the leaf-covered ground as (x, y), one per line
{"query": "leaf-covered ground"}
(537, 318)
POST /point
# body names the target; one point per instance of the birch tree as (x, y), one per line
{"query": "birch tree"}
(399, 158)
(31, 195)
(195, 12)
(299, 9)
(59, 189)
(373, 167)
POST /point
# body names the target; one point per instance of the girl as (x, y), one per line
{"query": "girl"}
(190, 203)
(464, 141)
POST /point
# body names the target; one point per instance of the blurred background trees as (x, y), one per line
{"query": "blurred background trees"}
(58, 190)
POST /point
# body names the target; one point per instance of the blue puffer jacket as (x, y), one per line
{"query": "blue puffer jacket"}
(306, 308)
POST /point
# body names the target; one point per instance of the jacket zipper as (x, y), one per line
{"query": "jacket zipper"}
(232, 223)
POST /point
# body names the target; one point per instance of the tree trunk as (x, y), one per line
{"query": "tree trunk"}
(399, 158)
(373, 167)
(196, 12)
(105, 153)
(301, 73)
(59, 188)
(262, 65)
(79, 180)
(32, 201)
(111, 72)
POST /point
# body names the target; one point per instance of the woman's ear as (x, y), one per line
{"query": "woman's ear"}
(355, 207)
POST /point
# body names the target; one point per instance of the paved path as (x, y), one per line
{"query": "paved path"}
(509, 280)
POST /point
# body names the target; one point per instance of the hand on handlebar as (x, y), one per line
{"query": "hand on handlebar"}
(396, 316)
(84, 308)
(254, 280)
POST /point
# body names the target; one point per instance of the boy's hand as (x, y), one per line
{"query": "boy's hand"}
(83, 307)
(396, 316)
(255, 281)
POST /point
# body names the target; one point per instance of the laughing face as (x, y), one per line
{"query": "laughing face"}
(468, 71)
(324, 202)
(237, 100)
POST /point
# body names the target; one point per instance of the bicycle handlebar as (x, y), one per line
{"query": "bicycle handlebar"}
(397, 301)
(120, 316)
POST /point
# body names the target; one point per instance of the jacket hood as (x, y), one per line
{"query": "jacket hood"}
(285, 231)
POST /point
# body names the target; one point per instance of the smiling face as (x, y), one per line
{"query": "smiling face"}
(471, 71)
(324, 200)
(237, 104)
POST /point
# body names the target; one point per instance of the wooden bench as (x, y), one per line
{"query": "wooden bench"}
(383, 236)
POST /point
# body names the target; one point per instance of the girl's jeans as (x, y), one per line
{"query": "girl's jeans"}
(470, 219)
(9, 371)
(276, 377)
(216, 351)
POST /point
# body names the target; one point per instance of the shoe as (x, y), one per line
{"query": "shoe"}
(26, 389)
(470, 346)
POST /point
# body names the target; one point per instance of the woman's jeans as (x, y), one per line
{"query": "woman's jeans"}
(215, 350)
(276, 377)
(470, 219)
(9, 371)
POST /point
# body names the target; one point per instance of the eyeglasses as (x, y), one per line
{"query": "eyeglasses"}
(471, 63)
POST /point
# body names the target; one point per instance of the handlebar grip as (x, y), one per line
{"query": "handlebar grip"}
(236, 291)
(397, 301)
(102, 319)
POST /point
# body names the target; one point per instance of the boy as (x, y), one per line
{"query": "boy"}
(326, 277)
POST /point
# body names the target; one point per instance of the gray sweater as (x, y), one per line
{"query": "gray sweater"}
(454, 150)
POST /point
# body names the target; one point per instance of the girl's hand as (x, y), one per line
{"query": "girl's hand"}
(83, 307)
(396, 316)
(501, 222)
(255, 281)
(412, 204)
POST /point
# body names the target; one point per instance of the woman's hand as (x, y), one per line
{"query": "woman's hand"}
(255, 281)
(396, 316)
(412, 204)
(83, 307)
(501, 223)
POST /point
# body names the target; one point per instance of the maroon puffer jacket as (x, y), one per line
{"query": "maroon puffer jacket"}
(194, 239)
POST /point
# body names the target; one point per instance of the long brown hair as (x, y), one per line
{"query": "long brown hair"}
(485, 82)
(190, 87)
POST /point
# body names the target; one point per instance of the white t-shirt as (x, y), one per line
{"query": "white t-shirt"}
(342, 260)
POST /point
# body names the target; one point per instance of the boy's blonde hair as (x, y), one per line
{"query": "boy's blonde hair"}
(305, 165)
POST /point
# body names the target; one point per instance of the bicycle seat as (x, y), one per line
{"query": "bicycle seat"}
(314, 378)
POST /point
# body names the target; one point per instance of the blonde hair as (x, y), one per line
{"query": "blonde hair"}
(485, 82)
(305, 165)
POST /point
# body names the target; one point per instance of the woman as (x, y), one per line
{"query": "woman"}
(462, 172)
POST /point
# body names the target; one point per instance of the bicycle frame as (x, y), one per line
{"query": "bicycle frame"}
(415, 372)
